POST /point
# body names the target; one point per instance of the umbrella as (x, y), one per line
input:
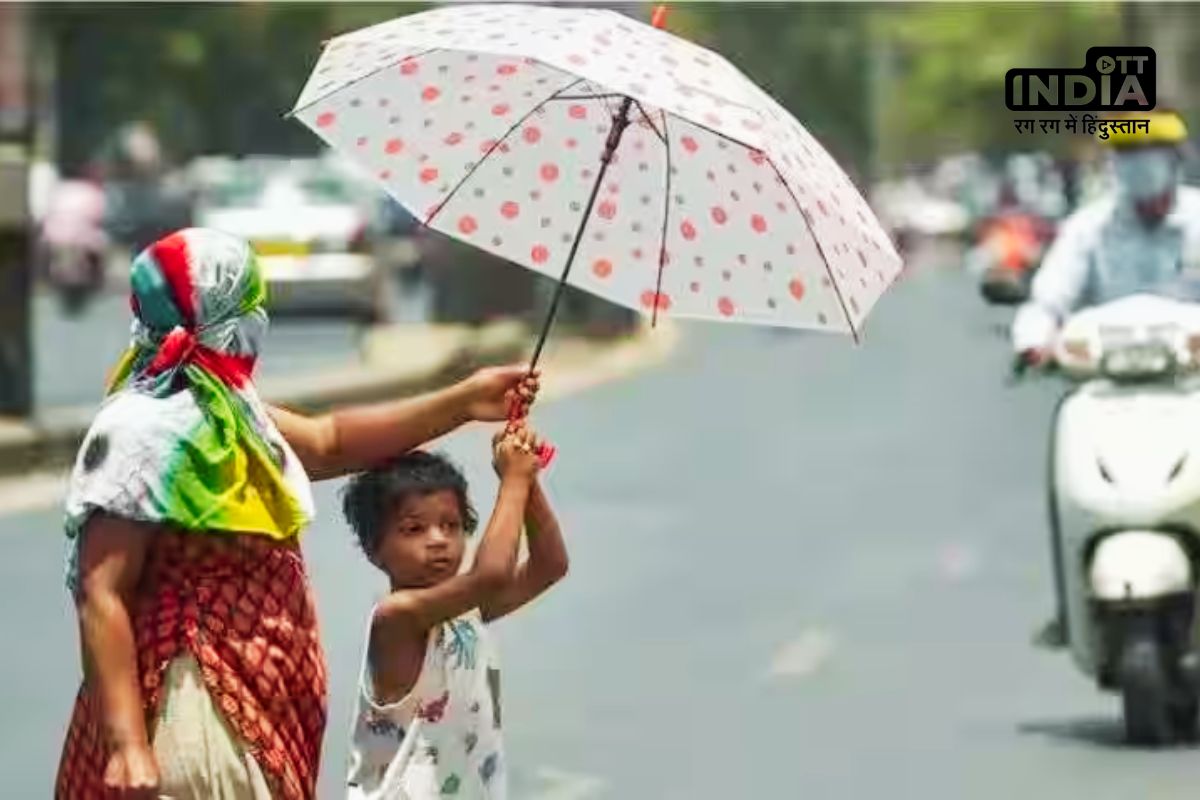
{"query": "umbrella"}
(608, 153)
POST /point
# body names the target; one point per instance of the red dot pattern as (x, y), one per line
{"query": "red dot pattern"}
(651, 298)
(756, 208)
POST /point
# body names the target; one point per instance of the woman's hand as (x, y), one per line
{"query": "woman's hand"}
(493, 392)
(515, 453)
(360, 437)
(132, 773)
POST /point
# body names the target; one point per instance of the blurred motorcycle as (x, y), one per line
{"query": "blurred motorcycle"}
(1125, 507)
(1007, 253)
(72, 243)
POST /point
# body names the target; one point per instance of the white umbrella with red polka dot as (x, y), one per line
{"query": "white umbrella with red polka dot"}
(609, 153)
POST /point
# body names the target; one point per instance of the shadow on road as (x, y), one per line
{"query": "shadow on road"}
(1104, 732)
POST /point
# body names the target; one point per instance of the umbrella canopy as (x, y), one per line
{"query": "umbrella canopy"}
(558, 136)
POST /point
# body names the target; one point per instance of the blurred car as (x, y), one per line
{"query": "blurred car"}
(908, 209)
(934, 216)
(313, 231)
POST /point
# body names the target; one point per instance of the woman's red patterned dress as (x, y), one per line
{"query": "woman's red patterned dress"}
(241, 605)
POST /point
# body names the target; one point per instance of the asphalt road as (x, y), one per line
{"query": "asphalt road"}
(800, 570)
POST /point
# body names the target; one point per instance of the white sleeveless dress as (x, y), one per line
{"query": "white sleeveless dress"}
(443, 739)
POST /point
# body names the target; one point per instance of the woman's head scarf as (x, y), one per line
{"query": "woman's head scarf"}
(182, 438)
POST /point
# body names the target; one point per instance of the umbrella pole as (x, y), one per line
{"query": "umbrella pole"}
(620, 123)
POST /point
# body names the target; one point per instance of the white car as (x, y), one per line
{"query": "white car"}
(311, 228)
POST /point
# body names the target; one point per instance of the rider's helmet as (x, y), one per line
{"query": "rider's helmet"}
(1147, 159)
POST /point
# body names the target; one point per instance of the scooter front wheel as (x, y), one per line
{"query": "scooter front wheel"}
(1145, 692)
(72, 299)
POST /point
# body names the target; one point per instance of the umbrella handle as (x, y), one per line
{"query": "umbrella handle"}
(545, 451)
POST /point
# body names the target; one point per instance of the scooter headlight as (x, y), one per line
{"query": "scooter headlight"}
(1139, 362)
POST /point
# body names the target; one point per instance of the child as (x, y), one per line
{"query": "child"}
(428, 719)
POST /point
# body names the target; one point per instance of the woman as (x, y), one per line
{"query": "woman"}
(203, 671)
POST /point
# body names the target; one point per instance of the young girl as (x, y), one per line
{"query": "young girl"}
(428, 719)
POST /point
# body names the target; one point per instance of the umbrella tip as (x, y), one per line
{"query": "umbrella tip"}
(659, 18)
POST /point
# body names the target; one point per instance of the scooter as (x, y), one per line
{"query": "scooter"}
(72, 244)
(77, 273)
(1125, 507)
(1006, 255)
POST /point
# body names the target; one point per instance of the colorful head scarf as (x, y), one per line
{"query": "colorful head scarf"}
(182, 438)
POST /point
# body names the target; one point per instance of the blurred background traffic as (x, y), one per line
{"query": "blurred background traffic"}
(125, 122)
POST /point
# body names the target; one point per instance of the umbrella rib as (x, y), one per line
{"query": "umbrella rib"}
(359, 79)
(820, 250)
(606, 96)
(724, 98)
(662, 250)
(498, 143)
(662, 136)
(619, 123)
(717, 133)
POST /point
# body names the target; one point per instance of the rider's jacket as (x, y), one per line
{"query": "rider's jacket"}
(1104, 252)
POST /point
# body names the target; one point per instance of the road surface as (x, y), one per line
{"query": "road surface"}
(800, 570)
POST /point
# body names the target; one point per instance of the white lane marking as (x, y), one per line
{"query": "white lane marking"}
(957, 561)
(567, 785)
(34, 492)
(804, 655)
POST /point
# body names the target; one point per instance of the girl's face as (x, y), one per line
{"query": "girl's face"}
(423, 541)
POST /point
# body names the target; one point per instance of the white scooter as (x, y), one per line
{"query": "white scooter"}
(1125, 507)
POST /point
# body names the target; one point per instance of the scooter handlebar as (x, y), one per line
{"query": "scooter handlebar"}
(1022, 364)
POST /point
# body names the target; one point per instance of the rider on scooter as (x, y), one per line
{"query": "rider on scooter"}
(1141, 237)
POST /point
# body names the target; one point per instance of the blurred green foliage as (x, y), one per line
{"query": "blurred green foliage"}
(212, 78)
(879, 84)
(947, 62)
(886, 84)
(812, 57)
